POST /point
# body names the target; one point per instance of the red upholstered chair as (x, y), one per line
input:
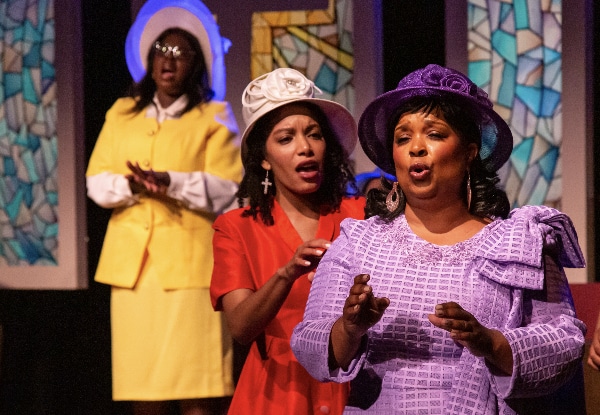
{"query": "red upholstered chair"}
(587, 306)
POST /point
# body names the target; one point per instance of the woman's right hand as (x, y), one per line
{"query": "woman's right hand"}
(249, 312)
(305, 259)
(362, 309)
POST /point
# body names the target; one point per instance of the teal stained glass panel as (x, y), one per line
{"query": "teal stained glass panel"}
(515, 56)
(322, 51)
(28, 140)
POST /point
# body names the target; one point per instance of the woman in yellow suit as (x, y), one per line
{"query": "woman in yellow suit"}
(167, 162)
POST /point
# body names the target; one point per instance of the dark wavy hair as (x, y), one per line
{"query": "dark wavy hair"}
(487, 199)
(197, 86)
(336, 175)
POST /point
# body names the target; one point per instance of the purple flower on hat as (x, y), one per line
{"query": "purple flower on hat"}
(457, 83)
(433, 76)
(454, 82)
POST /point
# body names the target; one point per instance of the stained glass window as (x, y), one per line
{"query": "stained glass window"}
(28, 140)
(317, 43)
(515, 56)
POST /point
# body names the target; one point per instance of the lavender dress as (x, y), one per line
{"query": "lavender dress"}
(408, 366)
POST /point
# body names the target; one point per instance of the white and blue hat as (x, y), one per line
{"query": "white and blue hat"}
(193, 16)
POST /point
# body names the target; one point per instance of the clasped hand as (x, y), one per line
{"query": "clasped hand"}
(147, 181)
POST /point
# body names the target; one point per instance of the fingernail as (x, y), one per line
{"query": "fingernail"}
(327, 245)
(319, 252)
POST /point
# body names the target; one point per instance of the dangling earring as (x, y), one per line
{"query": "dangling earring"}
(468, 191)
(266, 183)
(393, 198)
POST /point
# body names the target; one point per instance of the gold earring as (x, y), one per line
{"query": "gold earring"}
(469, 191)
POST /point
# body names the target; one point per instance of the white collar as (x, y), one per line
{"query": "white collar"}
(173, 111)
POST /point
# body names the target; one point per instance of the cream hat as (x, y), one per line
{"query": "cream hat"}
(193, 16)
(285, 85)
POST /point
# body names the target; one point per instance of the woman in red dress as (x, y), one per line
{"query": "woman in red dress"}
(295, 153)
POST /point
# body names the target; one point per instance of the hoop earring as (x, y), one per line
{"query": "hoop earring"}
(393, 198)
(469, 193)
(266, 184)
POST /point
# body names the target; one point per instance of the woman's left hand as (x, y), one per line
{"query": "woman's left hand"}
(466, 330)
(152, 181)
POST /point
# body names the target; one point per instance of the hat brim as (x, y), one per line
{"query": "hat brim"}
(341, 122)
(374, 133)
(156, 16)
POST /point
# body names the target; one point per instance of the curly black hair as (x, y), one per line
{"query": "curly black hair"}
(197, 86)
(487, 199)
(336, 175)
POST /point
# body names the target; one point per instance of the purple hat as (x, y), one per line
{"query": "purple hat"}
(433, 80)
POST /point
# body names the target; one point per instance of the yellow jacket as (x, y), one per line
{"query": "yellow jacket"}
(178, 240)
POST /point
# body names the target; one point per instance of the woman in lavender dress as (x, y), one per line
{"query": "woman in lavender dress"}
(444, 301)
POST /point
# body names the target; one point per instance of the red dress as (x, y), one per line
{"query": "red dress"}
(247, 253)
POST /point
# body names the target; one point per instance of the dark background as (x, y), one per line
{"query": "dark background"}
(56, 344)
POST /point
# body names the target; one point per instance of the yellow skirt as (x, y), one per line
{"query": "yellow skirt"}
(168, 345)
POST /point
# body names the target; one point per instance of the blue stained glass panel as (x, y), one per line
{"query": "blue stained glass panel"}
(28, 141)
(538, 193)
(548, 163)
(550, 101)
(505, 45)
(551, 56)
(521, 155)
(506, 93)
(9, 166)
(326, 79)
(481, 72)
(525, 78)
(521, 14)
(531, 96)
(12, 84)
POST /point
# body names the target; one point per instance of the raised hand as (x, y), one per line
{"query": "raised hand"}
(305, 259)
(362, 309)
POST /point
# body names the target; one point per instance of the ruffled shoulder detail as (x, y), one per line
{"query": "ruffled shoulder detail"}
(513, 250)
(528, 230)
(351, 225)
